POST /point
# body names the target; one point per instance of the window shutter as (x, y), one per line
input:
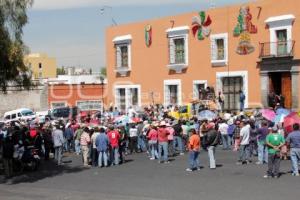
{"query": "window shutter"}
(118, 56)
(185, 46)
(225, 48)
(214, 49)
(167, 95)
(195, 92)
(171, 51)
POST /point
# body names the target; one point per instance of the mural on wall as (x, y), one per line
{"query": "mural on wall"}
(244, 29)
(201, 25)
(148, 35)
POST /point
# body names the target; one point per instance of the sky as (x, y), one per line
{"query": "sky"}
(73, 31)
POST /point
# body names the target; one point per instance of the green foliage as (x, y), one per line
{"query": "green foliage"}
(13, 18)
(103, 71)
(60, 71)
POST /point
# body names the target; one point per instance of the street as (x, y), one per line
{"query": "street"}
(142, 179)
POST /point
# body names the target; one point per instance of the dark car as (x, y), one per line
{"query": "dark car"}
(64, 112)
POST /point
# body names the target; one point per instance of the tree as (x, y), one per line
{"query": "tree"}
(103, 71)
(61, 71)
(13, 18)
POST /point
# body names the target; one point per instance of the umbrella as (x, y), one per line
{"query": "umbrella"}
(207, 114)
(279, 118)
(290, 120)
(268, 114)
(122, 119)
(284, 111)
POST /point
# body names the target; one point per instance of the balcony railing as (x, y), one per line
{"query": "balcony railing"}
(277, 49)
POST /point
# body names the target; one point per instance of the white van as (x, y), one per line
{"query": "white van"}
(19, 114)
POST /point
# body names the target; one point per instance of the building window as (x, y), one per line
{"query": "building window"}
(199, 88)
(219, 49)
(58, 104)
(40, 65)
(179, 51)
(172, 92)
(127, 95)
(230, 83)
(178, 48)
(89, 105)
(123, 54)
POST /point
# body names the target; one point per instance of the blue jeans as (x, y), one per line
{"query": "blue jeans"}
(262, 152)
(163, 148)
(77, 146)
(211, 156)
(178, 141)
(153, 149)
(226, 141)
(102, 157)
(141, 143)
(295, 159)
(114, 155)
(194, 159)
(244, 153)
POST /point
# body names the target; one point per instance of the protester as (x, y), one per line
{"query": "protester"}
(114, 137)
(212, 140)
(58, 142)
(163, 142)
(244, 144)
(102, 143)
(293, 139)
(274, 142)
(261, 142)
(152, 136)
(85, 141)
(194, 149)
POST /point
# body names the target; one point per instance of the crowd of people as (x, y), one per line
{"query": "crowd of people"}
(106, 141)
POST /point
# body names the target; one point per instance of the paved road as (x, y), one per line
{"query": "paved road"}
(142, 179)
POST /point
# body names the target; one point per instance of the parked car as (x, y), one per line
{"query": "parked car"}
(19, 114)
(64, 112)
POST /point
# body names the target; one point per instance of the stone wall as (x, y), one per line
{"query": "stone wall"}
(33, 99)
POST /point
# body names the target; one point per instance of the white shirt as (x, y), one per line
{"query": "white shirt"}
(133, 132)
(131, 112)
(245, 134)
(93, 138)
(223, 128)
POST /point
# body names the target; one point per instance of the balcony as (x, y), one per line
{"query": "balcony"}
(123, 71)
(277, 49)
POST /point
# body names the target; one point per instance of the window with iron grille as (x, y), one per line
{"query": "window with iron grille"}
(179, 51)
(124, 56)
(220, 49)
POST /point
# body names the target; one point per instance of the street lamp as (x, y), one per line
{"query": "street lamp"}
(102, 91)
(102, 11)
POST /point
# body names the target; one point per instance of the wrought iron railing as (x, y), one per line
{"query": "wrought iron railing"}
(277, 49)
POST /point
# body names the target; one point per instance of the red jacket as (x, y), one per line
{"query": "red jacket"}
(114, 137)
(163, 135)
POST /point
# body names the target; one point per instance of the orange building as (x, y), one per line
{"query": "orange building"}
(84, 96)
(252, 48)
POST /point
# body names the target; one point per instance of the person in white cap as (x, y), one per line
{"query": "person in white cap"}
(274, 142)
(163, 142)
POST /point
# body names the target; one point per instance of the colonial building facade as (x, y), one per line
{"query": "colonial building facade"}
(252, 48)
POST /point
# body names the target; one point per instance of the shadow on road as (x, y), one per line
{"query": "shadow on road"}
(47, 169)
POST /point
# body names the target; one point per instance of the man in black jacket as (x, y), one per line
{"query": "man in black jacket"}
(212, 140)
(8, 152)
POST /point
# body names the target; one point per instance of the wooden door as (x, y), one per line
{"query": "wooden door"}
(286, 88)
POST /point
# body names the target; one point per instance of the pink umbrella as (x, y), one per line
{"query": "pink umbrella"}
(268, 114)
(290, 120)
